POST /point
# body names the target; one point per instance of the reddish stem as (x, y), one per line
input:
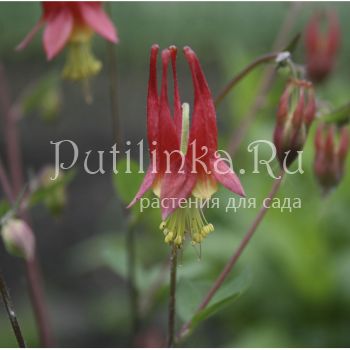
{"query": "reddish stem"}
(231, 263)
(257, 62)
(37, 297)
(14, 158)
(240, 133)
(5, 183)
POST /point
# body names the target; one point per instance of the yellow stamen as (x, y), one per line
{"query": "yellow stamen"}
(80, 63)
(162, 225)
(188, 220)
(169, 237)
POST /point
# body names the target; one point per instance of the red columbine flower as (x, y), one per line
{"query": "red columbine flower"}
(73, 23)
(180, 179)
(330, 155)
(321, 46)
(296, 111)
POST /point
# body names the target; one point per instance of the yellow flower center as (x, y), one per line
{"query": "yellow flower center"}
(205, 187)
(189, 221)
(80, 63)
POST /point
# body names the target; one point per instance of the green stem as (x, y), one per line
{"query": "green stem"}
(133, 293)
(118, 139)
(113, 88)
(11, 312)
(172, 297)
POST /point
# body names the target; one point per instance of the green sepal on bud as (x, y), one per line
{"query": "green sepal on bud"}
(51, 193)
(56, 199)
(43, 98)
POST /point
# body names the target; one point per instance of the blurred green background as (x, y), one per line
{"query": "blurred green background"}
(294, 276)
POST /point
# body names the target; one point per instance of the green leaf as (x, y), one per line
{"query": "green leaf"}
(190, 293)
(49, 190)
(339, 116)
(127, 181)
(5, 207)
(228, 293)
(43, 97)
(292, 45)
(8, 210)
(108, 250)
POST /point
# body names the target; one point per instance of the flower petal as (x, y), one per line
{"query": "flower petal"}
(204, 129)
(177, 102)
(153, 100)
(168, 140)
(176, 186)
(145, 186)
(226, 176)
(93, 14)
(58, 29)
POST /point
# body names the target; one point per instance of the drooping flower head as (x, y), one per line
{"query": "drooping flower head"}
(185, 165)
(331, 149)
(295, 113)
(72, 24)
(321, 45)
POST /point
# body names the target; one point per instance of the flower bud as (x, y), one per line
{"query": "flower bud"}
(330, 155)
(295, 113)
(321, 46)
(18, 238)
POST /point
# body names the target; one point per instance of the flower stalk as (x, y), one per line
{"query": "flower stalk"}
(242, 74)
(172, 297)
(11, 312)
(133, 292)
(113, 86)
(5, 183)
(117, 134)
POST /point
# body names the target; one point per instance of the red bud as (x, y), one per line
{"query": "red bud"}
(343, 145)
(330, 155)
(299, 110)
(295, 113)
(321, 47)
(283, 106)
(310, 109)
